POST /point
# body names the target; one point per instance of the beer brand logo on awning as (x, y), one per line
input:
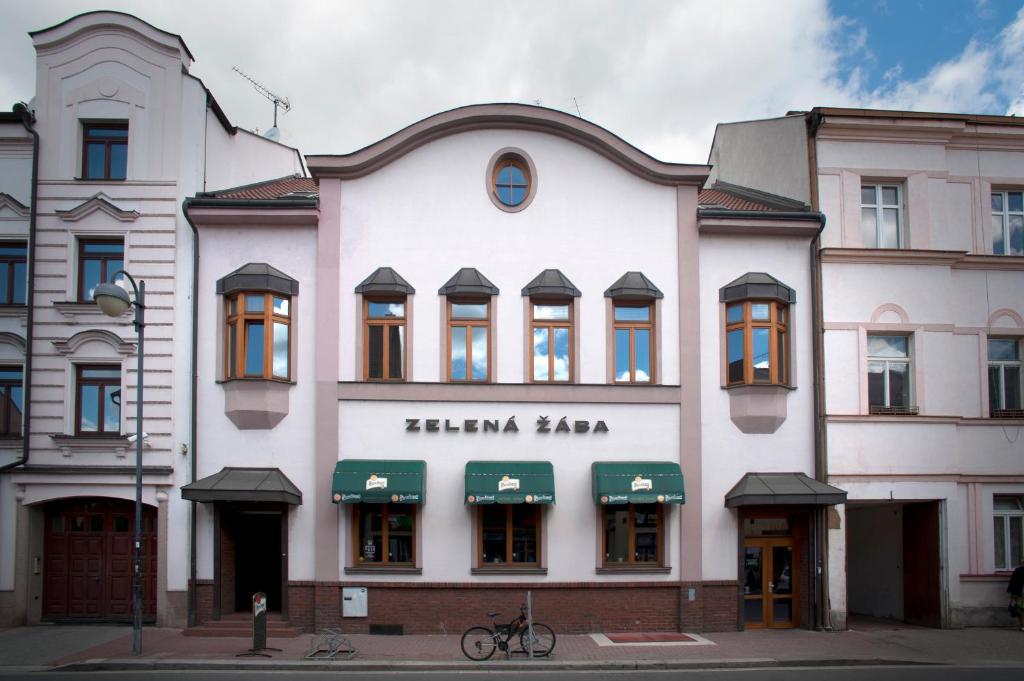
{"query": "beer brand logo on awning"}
(507, 484)
(615, 498)
(348, 496)
(540, 499)
(376, 483)
(671, 497)
(481, 499)
(642, 484)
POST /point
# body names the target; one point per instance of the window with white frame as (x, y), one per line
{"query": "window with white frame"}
(1008, 223)
(889, 365)
(1008, 531)
(1004, 377)
(881, 215)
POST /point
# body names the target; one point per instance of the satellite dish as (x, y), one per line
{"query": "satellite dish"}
(273, 134)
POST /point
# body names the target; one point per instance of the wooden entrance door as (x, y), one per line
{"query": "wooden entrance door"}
(88, 560)
(769, 583)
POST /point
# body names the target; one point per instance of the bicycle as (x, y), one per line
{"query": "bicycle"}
(479, 643)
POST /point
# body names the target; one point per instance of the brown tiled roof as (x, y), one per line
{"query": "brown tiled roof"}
(719, 199)
(272, 189)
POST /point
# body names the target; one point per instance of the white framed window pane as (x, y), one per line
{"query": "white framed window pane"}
(876, 384)
(1008, 503)
(999, 535)
(867, 195)
(1003, 349)
(1016, 540)
(540, 354)
(887, 346)
(890, 196)
(997, 202)
(1011, 387)
(868, 227)
(479, 353)
(1016, 235)
(458, 371)
(1015, 202)
(556, 312)
(890, 237)
(561, 354)
(995, 387)
(899, 384)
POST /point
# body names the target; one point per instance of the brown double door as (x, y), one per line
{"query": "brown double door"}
(769, 583)
(88, 559)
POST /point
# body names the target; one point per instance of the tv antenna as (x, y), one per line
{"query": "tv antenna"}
(280, 102)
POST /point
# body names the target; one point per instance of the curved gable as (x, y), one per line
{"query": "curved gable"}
(505, 117)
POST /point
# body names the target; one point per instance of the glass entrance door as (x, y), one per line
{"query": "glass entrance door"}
(769, 581)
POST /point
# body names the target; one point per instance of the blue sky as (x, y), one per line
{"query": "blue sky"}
(659, 73)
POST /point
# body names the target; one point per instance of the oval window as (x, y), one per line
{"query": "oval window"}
(511, 181)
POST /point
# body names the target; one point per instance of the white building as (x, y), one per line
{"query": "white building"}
(922, 268)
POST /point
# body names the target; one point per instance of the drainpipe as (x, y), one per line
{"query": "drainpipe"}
(822, 611)
(28, 119)
(193, 428)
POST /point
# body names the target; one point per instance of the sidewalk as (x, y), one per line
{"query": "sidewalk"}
(101, 648)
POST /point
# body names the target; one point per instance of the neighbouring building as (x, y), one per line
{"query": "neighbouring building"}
(922, 277)
(125, 134)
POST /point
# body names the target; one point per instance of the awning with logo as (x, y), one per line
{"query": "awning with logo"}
(637, 482)
(510, 482)
(378, 481)
(776, 489)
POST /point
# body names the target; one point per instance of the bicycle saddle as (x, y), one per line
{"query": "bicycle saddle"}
(493, 614)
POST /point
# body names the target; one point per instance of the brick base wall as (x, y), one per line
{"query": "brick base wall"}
(204, 600)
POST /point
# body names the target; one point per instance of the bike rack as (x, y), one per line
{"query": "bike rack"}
(330, 644)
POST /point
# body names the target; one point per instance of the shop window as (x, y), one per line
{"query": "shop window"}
(98, 260)
(1008, 223)
(1008, 531)
(469, 340)
(258, 336)
(13, 272)
(634, 342)
(551, 332)
(10, 401)
(881, 210)
(97, 400)
(757, 346)
(385, 534)
(509, 535)
(633, 535)
(104, 151)
(889, 375)
(1004, 378)
(384, 356)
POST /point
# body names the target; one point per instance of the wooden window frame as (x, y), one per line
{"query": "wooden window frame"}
(777, 323)
(11, 261)
(240, 319)
(484, 323)
(108, 142)
(516, 161)
(6, 429)
(1005, 215)
(879, 206)
(633, 327)
(357, 511)
(101, 420)
(104, 259)
(386, 323)
(551, 325)
(509, 565)
(631, 552)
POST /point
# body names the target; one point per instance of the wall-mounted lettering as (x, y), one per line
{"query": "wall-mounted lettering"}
(495, 426)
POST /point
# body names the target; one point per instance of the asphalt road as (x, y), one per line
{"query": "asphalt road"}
(870, 673)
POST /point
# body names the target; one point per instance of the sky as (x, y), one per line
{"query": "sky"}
(658, 73)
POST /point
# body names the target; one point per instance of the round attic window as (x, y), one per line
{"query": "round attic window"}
(511, 180)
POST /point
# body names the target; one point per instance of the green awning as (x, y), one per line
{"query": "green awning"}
(510, 482)
(637, 482)
(378, 481)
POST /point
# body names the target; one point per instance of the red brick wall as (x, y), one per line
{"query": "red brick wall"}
(227, 565)
(301, 613)
(204, 600)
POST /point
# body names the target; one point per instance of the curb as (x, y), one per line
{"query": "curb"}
(443, 665)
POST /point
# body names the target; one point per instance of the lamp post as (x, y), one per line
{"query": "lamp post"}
(114, 302)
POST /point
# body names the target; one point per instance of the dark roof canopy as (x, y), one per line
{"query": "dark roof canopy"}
(244, 484)
(468, 281)
(551, 283)
(258, 276)
(633, 285)
(756, 285)
(385, 280)
(776, 489)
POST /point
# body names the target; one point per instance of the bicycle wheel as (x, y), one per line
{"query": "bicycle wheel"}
(478, 643)
(543, 640)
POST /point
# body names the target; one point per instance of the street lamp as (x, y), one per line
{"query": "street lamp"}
(114, 302)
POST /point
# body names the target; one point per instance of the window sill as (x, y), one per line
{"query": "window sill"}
(634, 570)
(78, 311)
(507, 570)
(255, 379)
(877, 410)
(72, 444)
(759, 386)
(383, 570)
(104, 180)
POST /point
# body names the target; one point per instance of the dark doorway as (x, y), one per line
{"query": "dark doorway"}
(88, 559)
(921, 561)
(257, 559)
